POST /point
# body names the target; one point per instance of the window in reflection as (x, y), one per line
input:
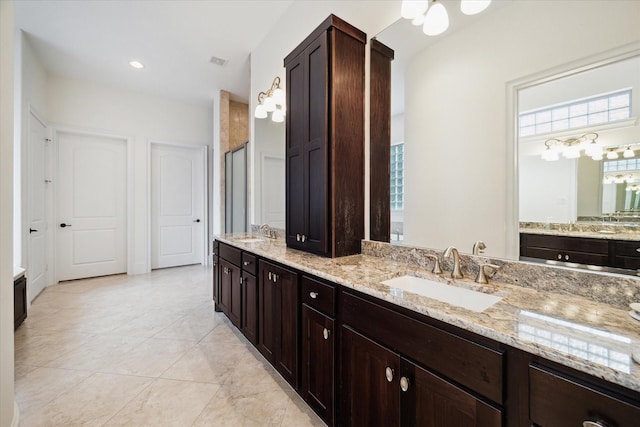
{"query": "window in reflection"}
(595, 110)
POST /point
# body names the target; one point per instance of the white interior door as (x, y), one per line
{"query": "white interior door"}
(272, 195)
(177, 206)
(37, 193)
(91, 206)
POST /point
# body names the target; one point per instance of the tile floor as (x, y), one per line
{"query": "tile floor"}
(144, 350)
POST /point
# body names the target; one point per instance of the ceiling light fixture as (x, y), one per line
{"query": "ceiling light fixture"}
(435, 19)
(136, 64)
(611, 155)
(628, 153)
(272, 101)
(571, 147)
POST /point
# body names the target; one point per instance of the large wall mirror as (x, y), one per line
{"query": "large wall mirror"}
(269, 173)
(464, 178)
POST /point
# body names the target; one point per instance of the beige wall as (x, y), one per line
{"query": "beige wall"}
(238, 124)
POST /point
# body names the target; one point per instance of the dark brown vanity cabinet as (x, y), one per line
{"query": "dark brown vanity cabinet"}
(318, 347)
(216, 275)
(278, 320)
(230, 297)
(578, 250)
(626, 254)
(19, 301)
(557, 400)
(325, 141)
(249, 286)
(396, 370)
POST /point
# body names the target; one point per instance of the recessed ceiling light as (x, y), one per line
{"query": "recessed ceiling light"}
(136, 64)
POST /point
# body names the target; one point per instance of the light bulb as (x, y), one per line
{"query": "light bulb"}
(260, 113)
(412, 8)
(550, 154)
(278, 96)
(572, 152)
(277, 116)
(472, 7)
(628, 153)
(593, 149)
(418, 20)
(612, 155)
(437, 20)
(269, 104)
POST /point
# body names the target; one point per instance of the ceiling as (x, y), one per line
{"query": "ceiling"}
(174, 39)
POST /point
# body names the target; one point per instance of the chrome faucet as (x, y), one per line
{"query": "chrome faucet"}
(436, 264)
(266, 230)
(479, 247)
(455, 271)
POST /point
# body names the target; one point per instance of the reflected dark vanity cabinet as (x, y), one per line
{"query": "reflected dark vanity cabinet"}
(591, 251)
(325, 141)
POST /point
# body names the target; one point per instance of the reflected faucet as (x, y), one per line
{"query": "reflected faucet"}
(266, 230)
(479, 247)
(455, 271)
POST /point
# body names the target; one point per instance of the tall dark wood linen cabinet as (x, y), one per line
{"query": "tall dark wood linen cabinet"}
(325, 141)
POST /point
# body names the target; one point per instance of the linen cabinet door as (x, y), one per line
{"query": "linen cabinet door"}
(430, 401)
(230, 291)
(318, 361)
(369, 392)
(250, 307)
(267, 295)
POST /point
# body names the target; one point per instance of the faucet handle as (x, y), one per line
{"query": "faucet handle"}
(436, 264)
(482, 277)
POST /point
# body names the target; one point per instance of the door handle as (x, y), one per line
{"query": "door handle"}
(63, 225)
(31, 230)
(196, 220)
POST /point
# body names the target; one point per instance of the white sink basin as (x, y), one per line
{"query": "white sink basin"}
(460, 297)
(250, 240)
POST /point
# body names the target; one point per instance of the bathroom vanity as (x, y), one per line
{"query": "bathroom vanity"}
(362, 352)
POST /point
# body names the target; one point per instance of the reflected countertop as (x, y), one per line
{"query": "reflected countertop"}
(18, 272)
(589, 336)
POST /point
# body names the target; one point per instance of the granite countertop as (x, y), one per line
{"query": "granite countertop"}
(18, 272)
(589, 336)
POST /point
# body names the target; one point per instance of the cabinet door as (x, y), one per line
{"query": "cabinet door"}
(286, 320)
(267, 296)
(250, 307)
(296, 130)
(19, 301)
(318, 362)
(230, 291)
(307, 148)
(316, 147)
(216, 279)
(430, 401)
(369, 392)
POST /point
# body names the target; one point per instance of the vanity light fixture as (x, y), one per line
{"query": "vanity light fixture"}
(570, 148)
(271, 101)
(435, 19)
(611, 154)
(628, 153)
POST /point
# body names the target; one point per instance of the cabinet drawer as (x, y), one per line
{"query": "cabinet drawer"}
(231, 254)
(471, 364)
(319, 295)
(629, 249)
(563, 243)
(557, 400)
(249, 263)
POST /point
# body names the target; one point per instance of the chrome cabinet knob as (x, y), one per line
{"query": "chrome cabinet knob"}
(297, 237)
(246, 263)
(404, 383)
(559, 256)
(325, 333)
(566, 257)
(313, 295)
(389, 374)
(304, 238)
(269, 275)
(241, 280)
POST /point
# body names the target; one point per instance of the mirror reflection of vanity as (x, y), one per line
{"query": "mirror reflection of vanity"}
(461, 99)
(462, 94)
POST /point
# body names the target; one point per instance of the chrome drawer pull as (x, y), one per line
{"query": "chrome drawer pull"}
(325, 333)
(638, 250)
(313, 295)
(389, 374)
(593, 424)
(404, 383)
(270, 279)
